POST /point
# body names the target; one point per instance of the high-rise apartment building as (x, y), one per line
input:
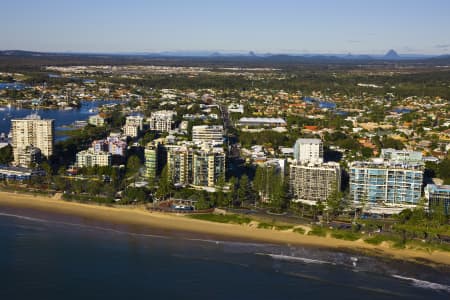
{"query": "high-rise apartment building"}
(153, 159)
(308, 150)
(179, 162)
(200, 167)
(32, 131)
(380, 182)
(310, 183)
(208, 165)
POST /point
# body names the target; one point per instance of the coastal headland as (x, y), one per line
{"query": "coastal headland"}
(140, 217)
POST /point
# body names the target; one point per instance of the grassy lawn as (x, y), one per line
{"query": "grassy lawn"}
(274, 226)
(318, 231)
(299, 230)
(229, 218)
(346, 235)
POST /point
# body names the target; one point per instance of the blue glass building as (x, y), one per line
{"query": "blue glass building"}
(438, 195)
(386, 182)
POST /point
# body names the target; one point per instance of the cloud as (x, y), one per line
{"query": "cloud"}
(354, 41)
(442, 46)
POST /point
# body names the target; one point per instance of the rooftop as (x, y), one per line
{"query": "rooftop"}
(262, 120)
(309, 141)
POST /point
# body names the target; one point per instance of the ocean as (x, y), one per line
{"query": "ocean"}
(53, 256)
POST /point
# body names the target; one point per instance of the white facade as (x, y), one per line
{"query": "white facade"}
(96, 120)
(32, 131)
(236, 108)
(310, 183)
(137, 121)
(212, 134)
(90, 158)
(162, 120)
(130, 130)
(308, 150)
(401, 155)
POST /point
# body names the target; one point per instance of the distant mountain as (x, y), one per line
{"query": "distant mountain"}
(359, 56)
(30, 58)
(391, 55)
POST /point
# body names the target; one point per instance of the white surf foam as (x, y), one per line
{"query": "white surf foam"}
(424, 284)
(294, 258)
(82, 226)
(22, 217)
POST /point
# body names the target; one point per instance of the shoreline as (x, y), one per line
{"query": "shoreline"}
(179, 224)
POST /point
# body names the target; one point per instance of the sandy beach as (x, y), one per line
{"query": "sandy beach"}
(181, 223)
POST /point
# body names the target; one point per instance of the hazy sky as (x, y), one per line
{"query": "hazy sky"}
(277, 26)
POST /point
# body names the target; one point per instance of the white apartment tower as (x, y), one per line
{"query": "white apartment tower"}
(308, 150)
(32, 131)
(310, 183)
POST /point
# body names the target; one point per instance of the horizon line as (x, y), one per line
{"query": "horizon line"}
(204, 52)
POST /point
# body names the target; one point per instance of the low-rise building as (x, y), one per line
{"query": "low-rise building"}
(19, 173)
(162, 120)
(137, 121)
(210, 134)
(133, 126)
(91, 158)
(130, 130)
(236, 108)
(97, 120)
(401, 155)
(29, 156)
(261, 122)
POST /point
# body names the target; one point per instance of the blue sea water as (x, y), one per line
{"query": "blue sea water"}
(48, 256)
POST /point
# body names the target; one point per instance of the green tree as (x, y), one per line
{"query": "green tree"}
(6, 155)
(243, 190)
(48, 172)
(164, 185)
(220, 197)
(278, 191)
(366, 152)
(259, 181)
(133, 166)
(232, 194)
(334, 201)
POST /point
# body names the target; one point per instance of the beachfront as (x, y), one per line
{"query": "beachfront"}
(141, 217)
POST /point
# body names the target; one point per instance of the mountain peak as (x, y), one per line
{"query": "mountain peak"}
(392, 54)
